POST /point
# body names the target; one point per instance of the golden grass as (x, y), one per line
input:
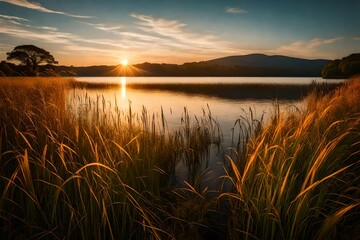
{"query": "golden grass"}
(97, 176)
(299, 176)
(88, 173)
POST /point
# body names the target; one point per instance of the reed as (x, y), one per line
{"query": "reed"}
(298, 177)
(90, 173)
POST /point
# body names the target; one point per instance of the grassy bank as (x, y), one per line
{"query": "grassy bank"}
(77, 174)
(299, 177)
(88, 173)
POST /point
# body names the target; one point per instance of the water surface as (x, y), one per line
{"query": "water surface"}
(227, 98)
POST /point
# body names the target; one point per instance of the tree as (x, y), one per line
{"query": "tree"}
(332, 69)
(346, 67)
(6, 69)
(31, 57)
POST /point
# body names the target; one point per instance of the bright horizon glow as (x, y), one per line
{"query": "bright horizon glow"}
(177, 32)
(124, 62)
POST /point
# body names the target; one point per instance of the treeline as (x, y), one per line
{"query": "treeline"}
(154, 69)
(35, 61)
(91, 71)
(210, 69)
(186, 69)
(343, 68)
(10, 69)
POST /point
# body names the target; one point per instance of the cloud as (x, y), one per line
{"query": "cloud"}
(235, 10)
(159, 38)
(356, 38)
(38, 7)
(150, 39)
(129, 38)
(53, 37)
(77, 47)
(321, 41)
(104, 27)
(305, 48)
(48, 28)
(86, 48)
(8, 17)
(174, 34)
(11, 20)
(158, 23)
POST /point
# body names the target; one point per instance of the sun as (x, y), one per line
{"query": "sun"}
(124, 62)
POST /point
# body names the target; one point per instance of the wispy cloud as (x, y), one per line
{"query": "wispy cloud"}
(38, 7)
(48, 28)
(149, 39)
(160, 26)
(356, 38)
(320, 41)
(175, 34)
(52, 37)
(78, 47)
(154, 39)
(305, 48)
(8, 17)
(235, 10)
(104, 27)
(11, 20)
(129, 38)
(91, 51)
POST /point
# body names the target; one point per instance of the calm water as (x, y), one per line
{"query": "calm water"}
(227, 98)
(225, 107)
(210, 80)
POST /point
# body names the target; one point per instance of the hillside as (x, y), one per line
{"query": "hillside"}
(273, 62)
(253, 65)
(245, 65)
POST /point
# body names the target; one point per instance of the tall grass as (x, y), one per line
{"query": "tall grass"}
(76, 174)
(299, 177)
(87, 172)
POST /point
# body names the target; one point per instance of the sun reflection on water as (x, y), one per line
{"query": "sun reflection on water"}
(123, 87)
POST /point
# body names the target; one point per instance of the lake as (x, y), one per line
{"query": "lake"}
(228, 99)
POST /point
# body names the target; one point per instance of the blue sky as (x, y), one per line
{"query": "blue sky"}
(92, 32)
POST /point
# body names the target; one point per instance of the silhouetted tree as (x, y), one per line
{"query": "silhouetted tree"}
(31, 57)
(332, 69)
(350, 65)
(6, 69)
(346, 67)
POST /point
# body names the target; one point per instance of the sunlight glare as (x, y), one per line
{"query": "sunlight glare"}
(123, 87)
(124, 62)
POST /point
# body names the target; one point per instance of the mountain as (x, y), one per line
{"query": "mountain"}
(253, 65)
(278, 62)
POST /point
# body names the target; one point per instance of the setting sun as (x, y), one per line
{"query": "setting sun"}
(124, 62)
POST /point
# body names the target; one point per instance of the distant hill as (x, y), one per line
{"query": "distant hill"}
(299, 65)
(253, 65)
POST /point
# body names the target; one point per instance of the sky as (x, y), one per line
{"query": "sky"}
(105, 32)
